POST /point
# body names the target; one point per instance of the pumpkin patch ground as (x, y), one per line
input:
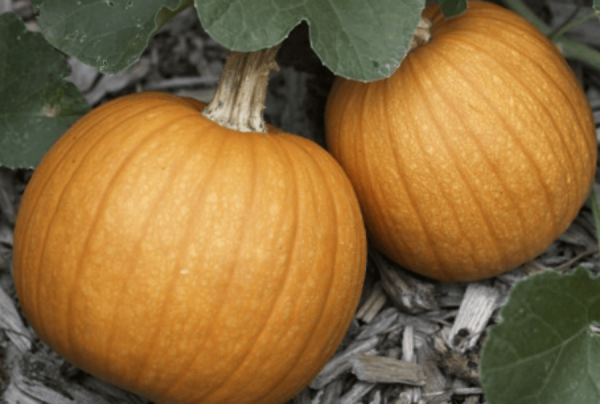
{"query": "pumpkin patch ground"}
(412, 339)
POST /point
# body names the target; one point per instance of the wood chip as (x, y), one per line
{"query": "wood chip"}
(376, 398)
(471, 400)
(409, 355)
(330, 394)
(374, 302)
(420, 323)
(435, 390)
(356, 393)
(381, 324)
(342, 362)
(408, 293)
(26, 388)
(381, 369)
(475, 311)
(10, 322)
(456, 363)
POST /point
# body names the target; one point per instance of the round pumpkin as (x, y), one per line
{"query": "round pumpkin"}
(475, 154)
(187, 262)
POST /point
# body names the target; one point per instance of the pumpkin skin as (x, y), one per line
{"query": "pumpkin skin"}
(187, 262)
(475, 154)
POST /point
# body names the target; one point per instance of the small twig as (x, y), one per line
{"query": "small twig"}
(570, 24)
(561, 28)
(569, 263)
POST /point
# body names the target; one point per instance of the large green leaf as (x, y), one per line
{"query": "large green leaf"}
(36, 103)
(360, 39)
(108, 34)
(544, 351)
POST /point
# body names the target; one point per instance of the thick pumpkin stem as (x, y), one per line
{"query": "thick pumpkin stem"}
(239, 101)
(422, 34)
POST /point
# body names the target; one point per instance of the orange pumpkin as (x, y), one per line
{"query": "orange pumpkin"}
(475, 154)
(187, 262)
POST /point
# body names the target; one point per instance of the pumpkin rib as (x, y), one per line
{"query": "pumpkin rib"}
(442, 135)
(370, 107)
(75, 170)
(293, 247)
(369, 163)
(200, 195)
(97, 218)
(415, 80)
(341, 110)
(472, 192)
(387, 135)
(331, 278)
(525, 29)
(249, 347)
(509, 130)
(450, 63)
(356, 288)
(286, 281)
(361, 150)
(336, 257)
(395, 154)
(548, 78)
(177, 170)
(334, 254)
(253, 199)
(186, 370)
(35, 203)
(150, 340)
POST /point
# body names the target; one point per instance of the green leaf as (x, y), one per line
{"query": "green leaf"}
(107, 34)
(544, 350)
(359, 39)
(451, 8)
(36, 103)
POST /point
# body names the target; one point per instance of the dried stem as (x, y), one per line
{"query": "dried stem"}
(422, 34)
(239, 101)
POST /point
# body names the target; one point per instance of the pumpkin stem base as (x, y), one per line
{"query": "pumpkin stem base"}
(239, 101)
(422, 34)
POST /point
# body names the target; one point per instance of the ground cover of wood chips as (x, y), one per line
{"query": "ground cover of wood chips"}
(413, 340)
